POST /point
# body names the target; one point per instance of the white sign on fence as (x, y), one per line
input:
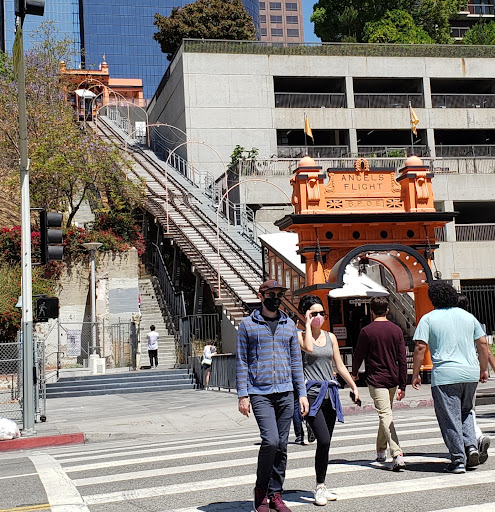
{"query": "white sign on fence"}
(74, 343)
(140, 129)
(340, 333)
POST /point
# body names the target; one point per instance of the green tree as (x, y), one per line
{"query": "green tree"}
(204, 19)
(482, 33)
(345, 21)
(395, 27)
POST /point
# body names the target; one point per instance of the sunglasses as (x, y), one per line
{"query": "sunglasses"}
(273, 295)
(314, 314)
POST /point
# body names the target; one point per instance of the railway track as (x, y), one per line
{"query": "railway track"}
(194, 232)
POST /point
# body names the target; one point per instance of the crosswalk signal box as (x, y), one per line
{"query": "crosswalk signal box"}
(46, 307)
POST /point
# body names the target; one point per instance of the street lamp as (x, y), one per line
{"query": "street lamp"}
(92, 247)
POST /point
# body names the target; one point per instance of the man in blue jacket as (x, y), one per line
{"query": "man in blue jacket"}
(269, 367)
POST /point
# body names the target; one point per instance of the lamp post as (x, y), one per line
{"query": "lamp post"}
(92, 247)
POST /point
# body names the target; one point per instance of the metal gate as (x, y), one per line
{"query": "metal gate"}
(11, 380)
(482, 304)
(123, 338)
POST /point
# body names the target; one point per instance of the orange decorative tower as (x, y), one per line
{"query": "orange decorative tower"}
(365, 214)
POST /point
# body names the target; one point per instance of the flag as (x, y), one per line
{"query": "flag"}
(307, 128)
(414, 120)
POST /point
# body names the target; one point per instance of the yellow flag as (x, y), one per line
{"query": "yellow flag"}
(16, 52)
(414, 121)
(307, 128)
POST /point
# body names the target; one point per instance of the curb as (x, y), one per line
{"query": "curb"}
(27, 443)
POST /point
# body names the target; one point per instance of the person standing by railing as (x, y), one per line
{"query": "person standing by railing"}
(208, 352)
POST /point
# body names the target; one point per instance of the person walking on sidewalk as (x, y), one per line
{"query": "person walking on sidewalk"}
(269, 367)
(152, 337)
(209, 351)
(321, 350)
(449, 332)
(381, 346)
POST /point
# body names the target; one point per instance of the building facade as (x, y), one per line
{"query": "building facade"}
(281, 21)
(475, 11)
(118, 32)
(356, 98)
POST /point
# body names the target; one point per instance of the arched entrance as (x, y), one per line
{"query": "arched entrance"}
(363, 215)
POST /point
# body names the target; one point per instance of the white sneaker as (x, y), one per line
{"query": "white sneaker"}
(320, 495)
(381, 456)
(398, 463)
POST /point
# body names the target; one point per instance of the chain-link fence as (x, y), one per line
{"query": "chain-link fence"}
(11, 380)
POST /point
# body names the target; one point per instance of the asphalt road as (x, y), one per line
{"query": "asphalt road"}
(215, 470)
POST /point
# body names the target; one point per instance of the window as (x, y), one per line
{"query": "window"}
(275, 19)
(292, 20)
(292, 32)
(295, 283)
(279, 273)
(289, 6)
(287, 279)
(263, 18)
(263, 31)
(262, 6)
(275, 6)
(277, 32)
(272, 269)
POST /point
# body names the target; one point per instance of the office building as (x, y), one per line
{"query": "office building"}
(281, 21)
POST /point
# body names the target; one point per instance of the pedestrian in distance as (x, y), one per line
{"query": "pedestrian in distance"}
(483, 441)
(208, 352)
(449, 333)
(269, 367)
(152, 338)
(381, 346)
(320, 353)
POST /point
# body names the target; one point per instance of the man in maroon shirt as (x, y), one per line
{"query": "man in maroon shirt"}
(381, 345)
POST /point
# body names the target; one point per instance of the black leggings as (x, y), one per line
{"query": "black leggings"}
(322, 425)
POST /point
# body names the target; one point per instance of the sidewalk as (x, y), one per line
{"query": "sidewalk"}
(162, 415)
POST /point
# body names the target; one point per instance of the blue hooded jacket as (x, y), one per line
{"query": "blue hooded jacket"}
(268, 363)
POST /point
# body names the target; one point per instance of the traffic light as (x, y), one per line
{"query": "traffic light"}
(34, 7)
(46, 307)
(51, 237)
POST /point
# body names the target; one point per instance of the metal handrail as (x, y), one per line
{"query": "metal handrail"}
(462, 100)
(309, 100)
(388, 100)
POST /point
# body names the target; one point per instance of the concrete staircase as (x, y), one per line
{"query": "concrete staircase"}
(120, 383)
(151, 314)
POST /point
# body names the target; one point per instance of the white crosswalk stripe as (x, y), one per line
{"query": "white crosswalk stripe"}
(216, 472)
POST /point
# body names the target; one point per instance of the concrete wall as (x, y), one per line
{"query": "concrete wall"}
(116, 298)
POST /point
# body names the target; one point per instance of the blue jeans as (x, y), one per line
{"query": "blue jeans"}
(453, 406)
(274, 415)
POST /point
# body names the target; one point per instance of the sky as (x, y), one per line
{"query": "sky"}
(309, 36)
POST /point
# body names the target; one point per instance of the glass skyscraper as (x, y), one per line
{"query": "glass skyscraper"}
(119, 30)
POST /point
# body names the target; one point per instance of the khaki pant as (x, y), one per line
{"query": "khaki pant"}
(383, 399)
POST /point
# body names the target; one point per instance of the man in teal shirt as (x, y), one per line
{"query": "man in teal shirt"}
(449, 332)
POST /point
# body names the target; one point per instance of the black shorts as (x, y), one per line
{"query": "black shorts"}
(206, 366)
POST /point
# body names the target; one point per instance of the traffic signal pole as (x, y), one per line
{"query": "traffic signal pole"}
(26, 284)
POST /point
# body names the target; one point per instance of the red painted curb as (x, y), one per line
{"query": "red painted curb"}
(26, 443)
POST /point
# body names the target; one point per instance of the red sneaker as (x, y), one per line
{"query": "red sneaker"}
(276, 503)
(260, 500)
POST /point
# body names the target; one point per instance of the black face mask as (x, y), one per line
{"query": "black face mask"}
(272, 304)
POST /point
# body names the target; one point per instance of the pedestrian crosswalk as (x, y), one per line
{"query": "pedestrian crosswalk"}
(213, 473)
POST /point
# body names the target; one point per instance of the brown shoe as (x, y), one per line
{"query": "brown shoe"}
(277, 504)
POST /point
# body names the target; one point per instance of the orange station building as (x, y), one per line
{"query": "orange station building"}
(88, 90)
(362, 215)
